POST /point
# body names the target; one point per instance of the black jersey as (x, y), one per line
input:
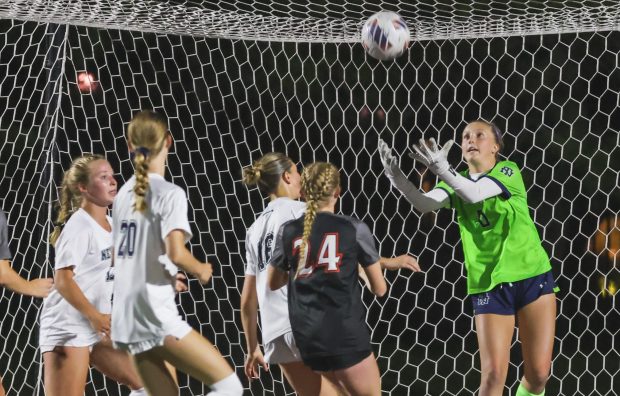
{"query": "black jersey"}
(325, 306)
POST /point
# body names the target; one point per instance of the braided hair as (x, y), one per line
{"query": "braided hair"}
(146, 133)
(318, 183)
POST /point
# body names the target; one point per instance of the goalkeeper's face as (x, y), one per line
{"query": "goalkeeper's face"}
(479, 144)
(101, 188)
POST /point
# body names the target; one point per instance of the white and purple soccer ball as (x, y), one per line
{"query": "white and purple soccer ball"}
(385, 35)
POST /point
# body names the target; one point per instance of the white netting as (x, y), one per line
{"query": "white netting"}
(228, 101)
(286, 20)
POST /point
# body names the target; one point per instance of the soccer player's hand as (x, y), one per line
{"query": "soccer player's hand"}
(100, 322)
(251, 364)
(204, 273)
(404, 261)
(435, 158)
(40, 287)
(180, 285)
(389, 162)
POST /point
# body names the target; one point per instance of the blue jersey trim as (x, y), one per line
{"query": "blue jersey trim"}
(505, 193)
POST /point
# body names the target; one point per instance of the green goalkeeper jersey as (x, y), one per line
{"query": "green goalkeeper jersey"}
(500, 242)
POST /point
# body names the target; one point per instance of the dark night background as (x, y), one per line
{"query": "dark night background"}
(228, 101)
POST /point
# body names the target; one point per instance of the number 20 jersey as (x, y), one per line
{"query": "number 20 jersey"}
(144, 309)
(325, 306)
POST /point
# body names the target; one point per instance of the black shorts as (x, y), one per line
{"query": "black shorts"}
(508, 298)
(336, 362)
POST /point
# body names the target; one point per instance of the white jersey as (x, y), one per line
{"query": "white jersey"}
(144, 311)
(87, 247)
(259, 246)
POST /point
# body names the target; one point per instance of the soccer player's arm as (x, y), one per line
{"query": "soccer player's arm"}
(176, 232)
(249, 315)
(368, 257)
(468, 190)
(71, 249)
(11, 279)
(278, 268)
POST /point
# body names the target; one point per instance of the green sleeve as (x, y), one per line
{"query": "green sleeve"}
(507, 176)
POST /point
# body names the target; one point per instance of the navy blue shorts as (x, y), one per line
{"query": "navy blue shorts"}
(508, 298)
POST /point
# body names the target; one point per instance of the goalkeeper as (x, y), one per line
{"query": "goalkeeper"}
(509, 276)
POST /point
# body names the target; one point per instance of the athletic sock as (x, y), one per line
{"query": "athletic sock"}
(229, 386)
(138, 392)
(521, 391)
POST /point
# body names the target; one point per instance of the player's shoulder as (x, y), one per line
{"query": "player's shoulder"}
(508, 168)
(77, 225)
(345, 221)
(164, 190)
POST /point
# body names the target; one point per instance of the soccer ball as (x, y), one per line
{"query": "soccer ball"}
(385, 35)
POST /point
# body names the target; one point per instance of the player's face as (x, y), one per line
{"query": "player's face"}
(478, 143)
(101, 188)
(295, 181)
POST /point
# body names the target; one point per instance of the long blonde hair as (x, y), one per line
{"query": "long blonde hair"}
(146, 133)
(70, 199)
(318, 183)
(266, 172)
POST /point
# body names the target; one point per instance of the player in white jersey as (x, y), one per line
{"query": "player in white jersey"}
(277, 176)
(75, 318)
(150, 232)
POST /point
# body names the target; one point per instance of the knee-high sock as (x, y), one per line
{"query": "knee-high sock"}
(229, 386)
(521, 391)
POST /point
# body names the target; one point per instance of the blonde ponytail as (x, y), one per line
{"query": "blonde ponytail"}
(70, 195)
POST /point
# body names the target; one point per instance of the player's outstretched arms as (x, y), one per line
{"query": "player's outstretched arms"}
(404, 261)
(276, 278)
(10, 279)
(183, 258)
(422, 202)
(436, 159)
(376, 281)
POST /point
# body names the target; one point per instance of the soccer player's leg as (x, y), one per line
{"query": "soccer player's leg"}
(115, 364)
(536, 323)
(305, 381)
(155, 374)
(494, 334)
(65, 370)
(196, 356)
(362, 379)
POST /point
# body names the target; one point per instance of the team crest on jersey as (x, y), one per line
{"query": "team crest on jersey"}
(507, 171)
(106, 254)
(264, 251)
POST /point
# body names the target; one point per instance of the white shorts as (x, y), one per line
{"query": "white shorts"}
(176, 328)
(282, 349)
(47, 343)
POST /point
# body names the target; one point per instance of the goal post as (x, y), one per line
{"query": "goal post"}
(239, 81)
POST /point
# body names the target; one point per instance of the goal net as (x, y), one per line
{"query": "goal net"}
(238, 79)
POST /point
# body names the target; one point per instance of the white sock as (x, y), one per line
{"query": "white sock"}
(229, 386)
(138, 392)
